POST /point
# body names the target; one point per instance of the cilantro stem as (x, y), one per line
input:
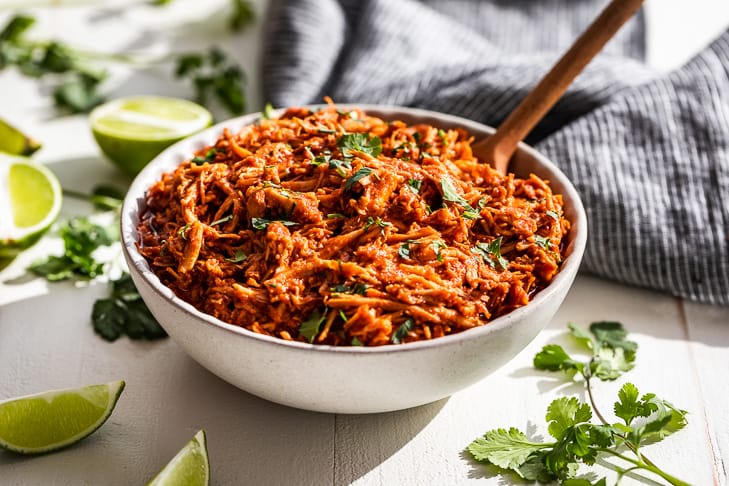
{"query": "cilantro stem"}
(641, 464)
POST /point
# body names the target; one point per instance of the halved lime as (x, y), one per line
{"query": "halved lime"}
(190, 467)
(13, 141)
(54, 419)
(30, 200)
(132, 131)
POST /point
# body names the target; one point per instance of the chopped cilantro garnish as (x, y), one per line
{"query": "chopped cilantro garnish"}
(543, 241)
(209, 157)
(491, 253)
(310, 327)
(414, 185)
(222, 220)
(262, 223)
(356, 342)
(335, 216)
(379, 222)
(404, 250)
(450, 194)
(239, 257)
(360, 174)
(340, 166)
(357, 288)
(401, 332)
(437, 246)
(360, 142)
(182, 232)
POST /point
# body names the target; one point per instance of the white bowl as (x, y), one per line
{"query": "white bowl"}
(351, 379)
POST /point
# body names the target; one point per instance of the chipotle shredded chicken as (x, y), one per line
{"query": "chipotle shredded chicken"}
(341, 228)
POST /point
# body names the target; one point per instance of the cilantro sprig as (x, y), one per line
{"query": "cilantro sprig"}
(77, 76)
(577, 440)
(124, 313)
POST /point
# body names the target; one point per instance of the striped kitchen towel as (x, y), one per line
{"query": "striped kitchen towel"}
(648, 151)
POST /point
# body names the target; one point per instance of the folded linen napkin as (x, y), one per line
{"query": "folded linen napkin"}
(648, 152)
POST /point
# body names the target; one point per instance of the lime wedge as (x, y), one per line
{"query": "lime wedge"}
(190, 467)
(30, 200)
(51, 420)
(132, 131)
(15, 142)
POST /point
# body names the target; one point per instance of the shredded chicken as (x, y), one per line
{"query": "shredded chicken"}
(345, 229)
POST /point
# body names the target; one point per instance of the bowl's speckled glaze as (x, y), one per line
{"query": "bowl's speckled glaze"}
(351, 379)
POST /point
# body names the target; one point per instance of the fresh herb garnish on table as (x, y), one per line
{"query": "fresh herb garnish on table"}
(124, 313)
(77, 75)
(214, 76)
(81, 238)
(577, 440)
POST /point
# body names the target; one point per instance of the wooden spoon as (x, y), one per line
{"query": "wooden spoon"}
(499, 147)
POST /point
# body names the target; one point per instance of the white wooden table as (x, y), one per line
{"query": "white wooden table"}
(46, 339)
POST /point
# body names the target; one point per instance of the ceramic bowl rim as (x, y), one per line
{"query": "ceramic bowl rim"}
(162, 163)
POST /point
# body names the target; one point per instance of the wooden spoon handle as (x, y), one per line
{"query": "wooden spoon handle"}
(499, 148)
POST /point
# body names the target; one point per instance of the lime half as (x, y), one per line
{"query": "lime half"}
(132, 131)
(30, 200)
(55, 419)
(13, 141)
(190, 467)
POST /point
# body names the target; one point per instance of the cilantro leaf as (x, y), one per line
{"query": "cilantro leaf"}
(341, 166)
(564, 413)
(239, 257)
(543, 241)
(582, 336)
(437, 246)
(553, 357)
(359, 175)
(360, 142)
(628, 406)
(262, 223)
(213, 75)
(222, 220)
(612, 334)
(310, 327)
(450, 194)
(242, 14)
(81, 238)
(414, 185)
(404, 250)
(124, 313)
(508, 449)
(402, 331)
(491, 253)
